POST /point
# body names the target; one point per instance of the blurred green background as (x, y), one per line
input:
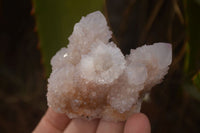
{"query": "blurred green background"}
(32, 31)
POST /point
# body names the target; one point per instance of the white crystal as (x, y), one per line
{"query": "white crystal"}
(91, 78)
(85, 32)
(137, 73)
(59, 59)
(91, 28)
(103, 64)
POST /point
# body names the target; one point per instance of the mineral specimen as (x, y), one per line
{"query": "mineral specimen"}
(91, 78)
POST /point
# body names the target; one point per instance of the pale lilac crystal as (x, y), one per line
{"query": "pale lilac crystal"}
(91, 78)
(103, 64)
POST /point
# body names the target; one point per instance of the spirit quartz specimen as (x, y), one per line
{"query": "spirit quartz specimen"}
(91, 78)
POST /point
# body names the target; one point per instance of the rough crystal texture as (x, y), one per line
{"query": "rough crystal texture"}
(93, 79)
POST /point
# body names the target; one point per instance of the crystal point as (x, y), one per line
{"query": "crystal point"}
(91, 78)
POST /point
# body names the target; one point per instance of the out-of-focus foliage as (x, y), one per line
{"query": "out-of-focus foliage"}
(196, 80)
(192, 10)
(198, 1)
(192, 90)
(192, 57)
(55, 20)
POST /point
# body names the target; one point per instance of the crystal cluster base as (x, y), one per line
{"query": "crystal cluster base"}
(91, 78)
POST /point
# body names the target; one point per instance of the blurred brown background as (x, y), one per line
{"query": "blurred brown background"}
(22, 80)
(134, 22)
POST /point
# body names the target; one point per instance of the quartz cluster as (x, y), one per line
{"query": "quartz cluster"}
(91, 78)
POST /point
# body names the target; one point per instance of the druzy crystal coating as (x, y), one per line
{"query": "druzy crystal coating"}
(91, 78)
